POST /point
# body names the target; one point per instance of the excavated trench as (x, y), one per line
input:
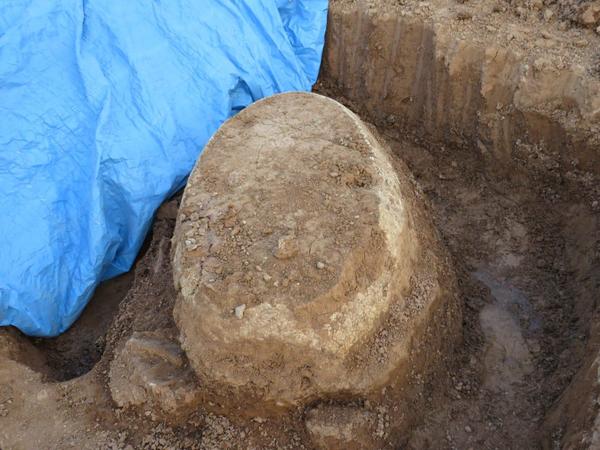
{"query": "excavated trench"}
(506, 150)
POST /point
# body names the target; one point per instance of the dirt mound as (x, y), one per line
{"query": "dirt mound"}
(297, 245)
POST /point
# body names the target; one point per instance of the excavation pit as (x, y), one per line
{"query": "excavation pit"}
(494, 107)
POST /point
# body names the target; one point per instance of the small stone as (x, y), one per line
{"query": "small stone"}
(286, 248)
(334, 174)
(320, 265)
(581, 43)
(239, 311)
(150, 371)
(266, 277)
(536, 4)
(591, 15)
(464, 15)
(468, 429)
(595, 204)
(548, 14)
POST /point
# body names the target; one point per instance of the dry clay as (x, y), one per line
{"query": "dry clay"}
(305, 262)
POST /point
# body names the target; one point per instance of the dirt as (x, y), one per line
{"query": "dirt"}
(519, 213)
(308, 258)
(523, 338)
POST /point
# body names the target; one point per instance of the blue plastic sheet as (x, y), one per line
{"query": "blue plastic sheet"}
(105, 106)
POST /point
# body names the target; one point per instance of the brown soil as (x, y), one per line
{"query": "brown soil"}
(519, 211)
(298, 215)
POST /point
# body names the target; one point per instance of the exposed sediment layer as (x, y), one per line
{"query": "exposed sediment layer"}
(306, 264)
(450, 73)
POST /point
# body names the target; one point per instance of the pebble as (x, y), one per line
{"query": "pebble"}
(320, 265)
(334, 174)
(468, 429)
(537, 4)
(286, 248)
(464, 15)
(239, 311)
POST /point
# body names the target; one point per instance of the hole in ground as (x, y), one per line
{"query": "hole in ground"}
(76, 351)
(81, 347)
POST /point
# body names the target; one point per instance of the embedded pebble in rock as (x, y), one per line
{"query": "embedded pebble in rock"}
(356, 277)
(239, 311)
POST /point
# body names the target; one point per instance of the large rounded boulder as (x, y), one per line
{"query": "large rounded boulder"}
(305, 262)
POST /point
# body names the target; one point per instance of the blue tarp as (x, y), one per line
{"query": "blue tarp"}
(105, 106)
